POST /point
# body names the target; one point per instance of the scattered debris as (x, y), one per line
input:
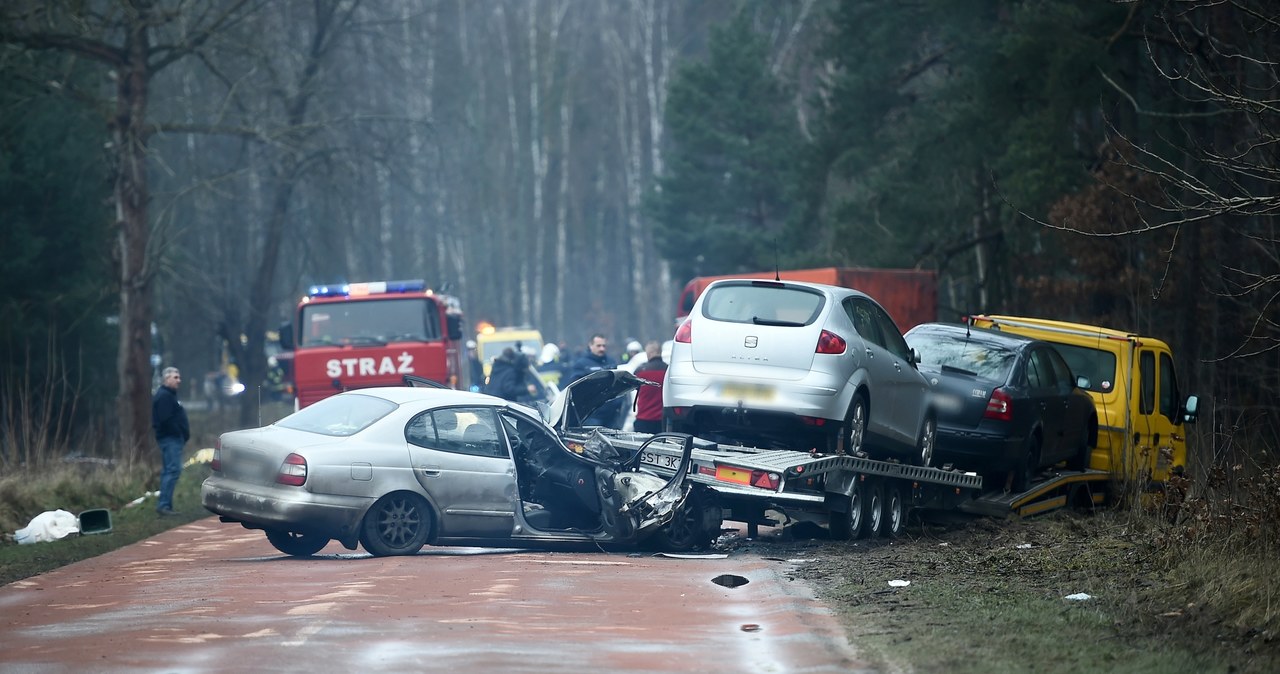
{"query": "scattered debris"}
(1023, 546)
(899, 583)
(1079, 596)
(50, 525)
(690, 555)
(750, 627)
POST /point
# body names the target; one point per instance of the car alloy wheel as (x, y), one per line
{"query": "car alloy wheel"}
(925, 444)
(398, 524)
(856, 428)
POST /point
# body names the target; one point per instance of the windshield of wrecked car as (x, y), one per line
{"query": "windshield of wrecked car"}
(339, 416)
(988, 361)
(762, 304)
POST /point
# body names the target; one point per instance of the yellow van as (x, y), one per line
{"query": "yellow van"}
(1134, 386)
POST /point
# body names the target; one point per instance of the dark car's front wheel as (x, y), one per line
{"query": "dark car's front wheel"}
(398, 524)
(295, 544)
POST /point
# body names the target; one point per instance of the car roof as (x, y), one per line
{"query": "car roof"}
(442, 396)
(1009, 339)
(839, 291)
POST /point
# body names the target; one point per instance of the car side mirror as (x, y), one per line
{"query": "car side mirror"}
(1190, 409)
(1082, 382)
(453, 323)
(915, 356)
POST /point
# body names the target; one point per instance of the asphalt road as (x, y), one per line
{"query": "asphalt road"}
(211, 597)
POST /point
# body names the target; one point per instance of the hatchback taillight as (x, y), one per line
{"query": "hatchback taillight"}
(830, 343)
(293, 471)
(999, 406)
(684, 333)
(216, 463)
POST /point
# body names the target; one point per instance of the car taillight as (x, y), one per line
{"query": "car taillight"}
(1000, 406)
(216, 463)
(830, 343)
(293, 471)
(684, 333)
(744, 476)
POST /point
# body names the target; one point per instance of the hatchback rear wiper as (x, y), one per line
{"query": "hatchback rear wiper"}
(769, 321)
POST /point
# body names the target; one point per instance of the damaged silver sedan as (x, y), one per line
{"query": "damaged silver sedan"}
(394, 469)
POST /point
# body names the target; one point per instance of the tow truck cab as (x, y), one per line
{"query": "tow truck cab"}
(1134, 386)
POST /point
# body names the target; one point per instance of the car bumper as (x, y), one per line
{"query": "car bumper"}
(978, 450)
(285, 508)
(819, 396)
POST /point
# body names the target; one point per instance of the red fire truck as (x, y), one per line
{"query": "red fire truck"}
(358, 335)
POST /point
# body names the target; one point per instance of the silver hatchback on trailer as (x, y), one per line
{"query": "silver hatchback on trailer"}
(798, 365)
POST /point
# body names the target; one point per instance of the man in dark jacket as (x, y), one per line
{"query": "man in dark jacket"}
(510, 377)
(169, 421)
(612, 413)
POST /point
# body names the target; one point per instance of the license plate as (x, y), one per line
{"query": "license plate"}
(664, 461)
(752, 392)
(948, 404)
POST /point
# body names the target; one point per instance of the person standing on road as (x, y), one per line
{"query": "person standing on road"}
(649, 398)
(169, 421)
(595, 359)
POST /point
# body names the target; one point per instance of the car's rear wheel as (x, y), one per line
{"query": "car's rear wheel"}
(296, 544)
(1084, 452)
(855, 427)
(398, 524)
(926, 442)
(1028, 466)
(895, 512)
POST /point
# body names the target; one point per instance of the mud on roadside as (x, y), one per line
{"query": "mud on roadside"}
(991, 595)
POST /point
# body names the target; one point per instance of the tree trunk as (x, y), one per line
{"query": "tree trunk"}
(133, 360)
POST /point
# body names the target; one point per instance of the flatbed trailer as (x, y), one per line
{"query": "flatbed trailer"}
(856, 497)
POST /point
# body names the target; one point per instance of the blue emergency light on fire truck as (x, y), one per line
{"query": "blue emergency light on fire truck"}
(357, 335)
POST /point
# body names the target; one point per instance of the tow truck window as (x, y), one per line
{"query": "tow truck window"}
(1169, 398)
(1147, 385)
(1098, 366)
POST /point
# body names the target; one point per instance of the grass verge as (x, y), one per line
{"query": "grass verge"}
(75, 490)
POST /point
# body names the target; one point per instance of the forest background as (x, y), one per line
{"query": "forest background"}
(175, 173)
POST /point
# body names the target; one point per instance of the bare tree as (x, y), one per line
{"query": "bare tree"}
(134, 40)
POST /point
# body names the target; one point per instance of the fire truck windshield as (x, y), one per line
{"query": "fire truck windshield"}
(369, 322)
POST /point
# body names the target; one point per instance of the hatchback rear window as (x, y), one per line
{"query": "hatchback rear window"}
(988, 361)
(339, 416)
(762, 303)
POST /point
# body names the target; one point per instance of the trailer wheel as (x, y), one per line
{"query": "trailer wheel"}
(895, 512)
(872, 510)
(848, 525)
